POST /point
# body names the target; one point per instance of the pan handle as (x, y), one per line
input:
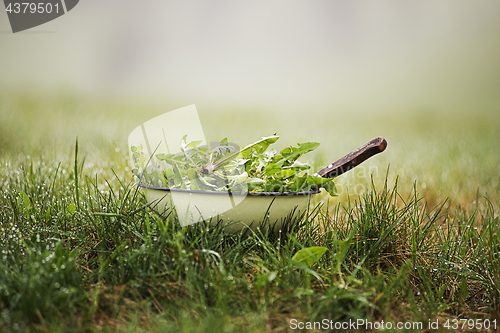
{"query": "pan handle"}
(354, 158)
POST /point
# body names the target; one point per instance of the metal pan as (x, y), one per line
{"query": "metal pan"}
(250, 210)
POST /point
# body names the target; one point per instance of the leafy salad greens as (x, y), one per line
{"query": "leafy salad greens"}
(253, 168)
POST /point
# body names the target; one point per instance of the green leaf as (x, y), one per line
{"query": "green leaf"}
(178, 181)
(194, 144)
(271, 169)
(264, 279)
(47, 215)
(307, 270)
(317, 180)
(296, 183)
(169, 175)
(194, 180)
(298, 166)
(235, 167)
(273, 187)
(309, 255)
(285, 174)
(290, 154)
(26, 200)
(209, 186)
(184, 140)
(331, 188)
(238, 179)
(259, 146)
(163, 157)
(255, 183)
(70, 209)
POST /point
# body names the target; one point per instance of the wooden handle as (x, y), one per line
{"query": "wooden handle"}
(354, 158)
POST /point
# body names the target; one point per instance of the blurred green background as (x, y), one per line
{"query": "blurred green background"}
(425, 75)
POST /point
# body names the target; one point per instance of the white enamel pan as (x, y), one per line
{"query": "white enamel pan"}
(237, 211)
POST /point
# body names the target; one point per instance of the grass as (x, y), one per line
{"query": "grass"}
(82, 251)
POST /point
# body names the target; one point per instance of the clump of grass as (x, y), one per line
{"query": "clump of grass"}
(79, 250)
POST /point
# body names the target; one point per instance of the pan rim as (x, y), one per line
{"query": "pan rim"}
(251, 194)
